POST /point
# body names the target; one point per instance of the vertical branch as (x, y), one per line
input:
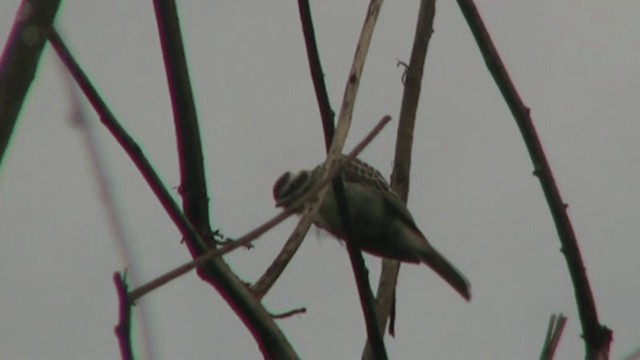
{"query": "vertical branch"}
(404, 142)
(192, 179)
(20, 59)
(597, 337)
(317, 74)
(353, 83)
(270, 339)
(335, 150)
(123, 328)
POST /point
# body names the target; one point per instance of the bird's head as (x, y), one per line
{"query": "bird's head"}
(290, 186)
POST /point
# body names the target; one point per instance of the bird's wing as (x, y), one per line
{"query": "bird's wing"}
(363, 173)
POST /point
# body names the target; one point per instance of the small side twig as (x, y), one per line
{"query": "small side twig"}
(290, 313)
(552, 339)
(317, 74)
(123, 328)
(597, 337)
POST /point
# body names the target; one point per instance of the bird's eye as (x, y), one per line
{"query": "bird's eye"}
(298, 184)
(289, 186)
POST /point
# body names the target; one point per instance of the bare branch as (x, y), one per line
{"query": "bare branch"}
(270, 339)
(20, 59)
(344, 122)
(317, 74)
(597, 337)
(385, 299)
(124, 139)
(192, 175)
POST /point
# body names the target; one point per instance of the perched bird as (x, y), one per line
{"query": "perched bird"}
(380, 222)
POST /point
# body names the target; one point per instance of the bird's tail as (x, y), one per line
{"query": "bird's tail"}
(448, 272)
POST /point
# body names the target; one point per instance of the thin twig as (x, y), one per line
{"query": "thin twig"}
(290, 313)
(257, 232)
(552, 339)
(385, 299)
(597, 337)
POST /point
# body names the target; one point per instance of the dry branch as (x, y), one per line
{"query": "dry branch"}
(597, 337)
(385, 299)
(20, 59)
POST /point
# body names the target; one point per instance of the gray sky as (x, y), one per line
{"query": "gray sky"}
(575, 63)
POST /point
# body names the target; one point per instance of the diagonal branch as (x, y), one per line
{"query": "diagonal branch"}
(19, 60)
(597, 337)
(230, 287)
(123, 138)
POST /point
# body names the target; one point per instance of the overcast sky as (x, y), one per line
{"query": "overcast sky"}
(575, 63)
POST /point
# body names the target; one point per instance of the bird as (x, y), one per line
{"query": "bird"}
(380, 223)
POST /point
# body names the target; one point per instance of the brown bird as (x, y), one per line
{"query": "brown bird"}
(380, 222)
